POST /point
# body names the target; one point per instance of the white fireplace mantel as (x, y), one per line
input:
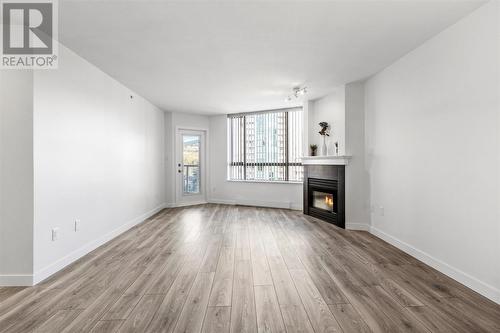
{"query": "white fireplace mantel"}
(325, 160)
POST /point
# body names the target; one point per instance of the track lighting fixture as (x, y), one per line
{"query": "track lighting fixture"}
(297, 92)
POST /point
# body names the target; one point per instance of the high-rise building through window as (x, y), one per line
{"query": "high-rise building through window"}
(265, 145)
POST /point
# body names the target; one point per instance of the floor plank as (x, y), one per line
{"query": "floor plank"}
(107, 326)
(211, 258)
(243, 317)
(269, 317)
(260, 267)
(294, 315)
(60, 320)
(404, 297)
(328, 289)
(6, 292)
(403, 319)
(319, 314)
(219, 268)
(217, 319)
(348, 318)
(223, 284)
(143, 313)
(193, 313)
(165, 319)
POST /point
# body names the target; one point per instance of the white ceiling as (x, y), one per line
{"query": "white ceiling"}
(221, 57)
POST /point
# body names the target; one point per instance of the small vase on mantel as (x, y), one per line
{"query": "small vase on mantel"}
(325, 128)
(324, 149)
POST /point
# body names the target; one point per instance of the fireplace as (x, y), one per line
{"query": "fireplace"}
(324, 201)
(324, 193)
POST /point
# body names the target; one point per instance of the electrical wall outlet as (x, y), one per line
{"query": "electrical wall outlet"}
(77, 225)
(55, 234)
(381, 210)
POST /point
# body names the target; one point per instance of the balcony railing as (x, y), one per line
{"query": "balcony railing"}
(191, 177)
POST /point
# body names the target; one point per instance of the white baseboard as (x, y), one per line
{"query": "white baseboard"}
(186, 204)
(258, 203)
(22, 280)
(357, 226)
(264, 203)
(222, 201)
(47, 271)
(473, 283)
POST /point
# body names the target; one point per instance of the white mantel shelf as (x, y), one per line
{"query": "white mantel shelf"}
(325, 160)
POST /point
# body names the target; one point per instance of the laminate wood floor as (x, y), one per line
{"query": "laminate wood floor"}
(217, 268)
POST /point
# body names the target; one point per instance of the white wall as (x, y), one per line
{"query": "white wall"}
(219, 189)
(16, 177)
(433, 144)
(283, 195)
(357, 181)
(331, 109)
(169, 161)
(307, 108)
(98, 157)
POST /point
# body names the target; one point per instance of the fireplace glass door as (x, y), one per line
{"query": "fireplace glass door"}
(325, 201)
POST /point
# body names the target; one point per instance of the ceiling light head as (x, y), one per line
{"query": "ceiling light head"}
(296, 92)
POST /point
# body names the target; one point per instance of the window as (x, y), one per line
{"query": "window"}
(191, 163)
(265, 145)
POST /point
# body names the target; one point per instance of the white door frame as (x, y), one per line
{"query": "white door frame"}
(182, 199)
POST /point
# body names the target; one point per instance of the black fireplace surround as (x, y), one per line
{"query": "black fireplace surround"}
(324, 193)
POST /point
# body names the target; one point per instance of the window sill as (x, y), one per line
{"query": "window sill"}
(264, 181)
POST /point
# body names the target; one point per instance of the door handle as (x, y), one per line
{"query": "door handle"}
(179, 171)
